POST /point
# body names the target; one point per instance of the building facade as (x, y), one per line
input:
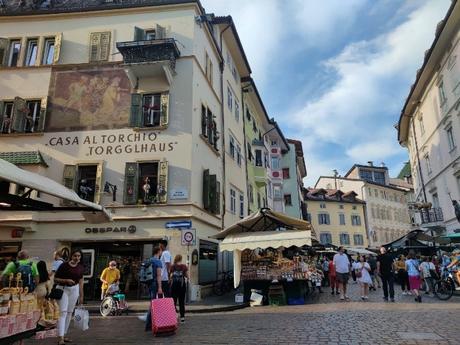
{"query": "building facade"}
(387, 210)
(337, 217)
(429, 126)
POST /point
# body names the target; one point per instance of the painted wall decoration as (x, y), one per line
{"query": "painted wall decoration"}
(91, 98)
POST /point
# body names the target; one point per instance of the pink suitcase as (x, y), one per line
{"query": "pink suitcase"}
(164, 318)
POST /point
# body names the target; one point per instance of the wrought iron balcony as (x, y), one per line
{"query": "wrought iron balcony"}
(137, 52)
(431, 215)
(256, 142)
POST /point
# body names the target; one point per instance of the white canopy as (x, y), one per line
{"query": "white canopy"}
(12, 173)
(361, 251)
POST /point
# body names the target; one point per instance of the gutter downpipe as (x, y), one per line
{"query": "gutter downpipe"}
(245, 144)
(418, 161)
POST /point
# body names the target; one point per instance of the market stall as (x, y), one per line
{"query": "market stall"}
(271, 254)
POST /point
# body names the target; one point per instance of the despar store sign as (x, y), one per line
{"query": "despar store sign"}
(115, 144)
(111, 229)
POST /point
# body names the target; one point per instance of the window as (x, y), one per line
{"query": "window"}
(241, 206)
(7, 115)
(354, 207)
(209, 127)
(341, 219)
(450, 138)
(269, 188)
(229, 99)
(344, 239)
(149, 110)
(211, 192)
(32, 52)
(259, 162)
(15, 49)
(422, 127)
(251, 194)
(99, 48)
(248, 115)
(285, 173)
(322, 205)
(323, 218)
(358, 240)
(442, 93)
(373, 212)
(150, 35)
(23, 116)
(232, 201)
(325, 238)
(249, 152)
(369, 191)
(379, 177)
(355, 220)
(266, 164)
(85, 180)
(237, 111)
(382, 195)
(277, 192)
(341, 207)
(287, 199)
(238, 154)
(376, 193)
(232, 147)
(365, 174)
(428, 164)
(208, 68)
(275, 163)
(48, 53)
(435, 200)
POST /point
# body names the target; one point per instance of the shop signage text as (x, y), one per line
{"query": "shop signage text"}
(129, 229)
(113, 144)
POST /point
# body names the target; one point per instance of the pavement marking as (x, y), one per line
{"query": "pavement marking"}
(418, 336)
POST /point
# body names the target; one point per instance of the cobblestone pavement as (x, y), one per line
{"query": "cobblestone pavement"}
(326, 322)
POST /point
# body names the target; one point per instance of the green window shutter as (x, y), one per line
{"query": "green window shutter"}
(105, 46)
(213, 193)
(164, 116)
(42, 118)
(160, 32)
(2, 105)
(94, 46)
(136, 113)
(217, 198)
(139, 34)
(204, 122)
(206, 201)
(131, 184)
(69, 178)
(20, 110)
(163, 182)
(3, 50)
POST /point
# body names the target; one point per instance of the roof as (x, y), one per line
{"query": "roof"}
(21, 7)
(364, 166)
(363, 181)
(448, 26)
(405, 171)
(23, 158)
(334, 195)
(299, 154)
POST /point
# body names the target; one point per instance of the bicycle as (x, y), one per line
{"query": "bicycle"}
(114, 303)
(445, 287)
(223, 285)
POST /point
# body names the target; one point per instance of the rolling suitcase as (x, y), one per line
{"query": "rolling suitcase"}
(164, 318)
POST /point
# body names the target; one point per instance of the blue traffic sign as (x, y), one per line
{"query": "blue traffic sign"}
(182, 224)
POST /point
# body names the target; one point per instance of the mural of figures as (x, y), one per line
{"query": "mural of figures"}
(89, 98)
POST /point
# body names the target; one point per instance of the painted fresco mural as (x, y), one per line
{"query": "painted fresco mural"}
(91, 98)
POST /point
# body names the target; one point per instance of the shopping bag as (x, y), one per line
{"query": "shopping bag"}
(81, 318)
(164, 318)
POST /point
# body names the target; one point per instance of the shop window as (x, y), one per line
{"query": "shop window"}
(211, 193)
(258, 158)
(207, 268)
(99, 46)
(146, 183)
(22, 116)
(324, 219)
(285, 173)
(31, 52)
(344, 239)
(287, 200)
(85, 180)
(325, 238)
(358, 240)
(209, 127)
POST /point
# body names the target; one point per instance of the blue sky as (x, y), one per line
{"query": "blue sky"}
(335, 73)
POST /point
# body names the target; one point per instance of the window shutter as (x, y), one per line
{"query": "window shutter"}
(3, 49)
(20, 110)
(204, 123)
(160, 32)
(135, 118)
(98, 184)
(69, 180)
(105, 46)
(94, 46)
(217, 198)
(163, 182)
(57, 48)
(2, 104)
(206, 189)
(164, 117)
(131, 184)
(42, 118)
(139, 34)
(213, 193)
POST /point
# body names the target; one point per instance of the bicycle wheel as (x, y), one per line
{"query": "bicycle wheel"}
(443, 289)
(107, 306)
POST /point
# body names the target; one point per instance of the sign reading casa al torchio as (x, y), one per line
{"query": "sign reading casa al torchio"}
(112, 144)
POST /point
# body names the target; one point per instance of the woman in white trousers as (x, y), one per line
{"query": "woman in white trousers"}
(69, 278)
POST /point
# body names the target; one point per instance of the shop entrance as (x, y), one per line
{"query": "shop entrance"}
(128, 255)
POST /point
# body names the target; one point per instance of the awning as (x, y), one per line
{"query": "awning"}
(266, 239)
(361, 251)
(451, 238)
(94, 213)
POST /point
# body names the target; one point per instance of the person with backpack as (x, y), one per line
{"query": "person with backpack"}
(413, 270)
(25, 266)
(178, 278)
(150, 274)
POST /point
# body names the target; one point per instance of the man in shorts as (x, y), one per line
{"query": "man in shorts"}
(342, 269)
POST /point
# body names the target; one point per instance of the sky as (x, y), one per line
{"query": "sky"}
(335, 73)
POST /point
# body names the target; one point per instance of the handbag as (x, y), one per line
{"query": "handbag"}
(359, 272)
(55, 293)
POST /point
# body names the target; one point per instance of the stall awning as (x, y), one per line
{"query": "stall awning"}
(266, 239)
(361, 251)
(9, 172)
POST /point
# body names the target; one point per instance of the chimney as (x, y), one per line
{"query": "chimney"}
(370, 163)
(382, 165)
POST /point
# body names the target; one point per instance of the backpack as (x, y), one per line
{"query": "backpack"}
(178, 278)
(26, 275)
(146, 272)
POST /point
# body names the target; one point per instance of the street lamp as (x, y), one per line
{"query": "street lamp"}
(108, 187)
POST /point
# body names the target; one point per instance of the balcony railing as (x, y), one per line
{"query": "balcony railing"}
(260, 175)
(431, 215)
(145, 51)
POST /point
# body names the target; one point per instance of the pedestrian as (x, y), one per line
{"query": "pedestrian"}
(25, 266)
(69, 278)
(178, 278)
(354, 266)
(364, 278)
(412, 267)
(165, 267)
(403, 278)
(110, 275)
(342, 269)
(385, 269)
(45, 282)
(155, 287)
(372, 261)
(333, 278)
(426, 268)
(325, 267)
(58, 260)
